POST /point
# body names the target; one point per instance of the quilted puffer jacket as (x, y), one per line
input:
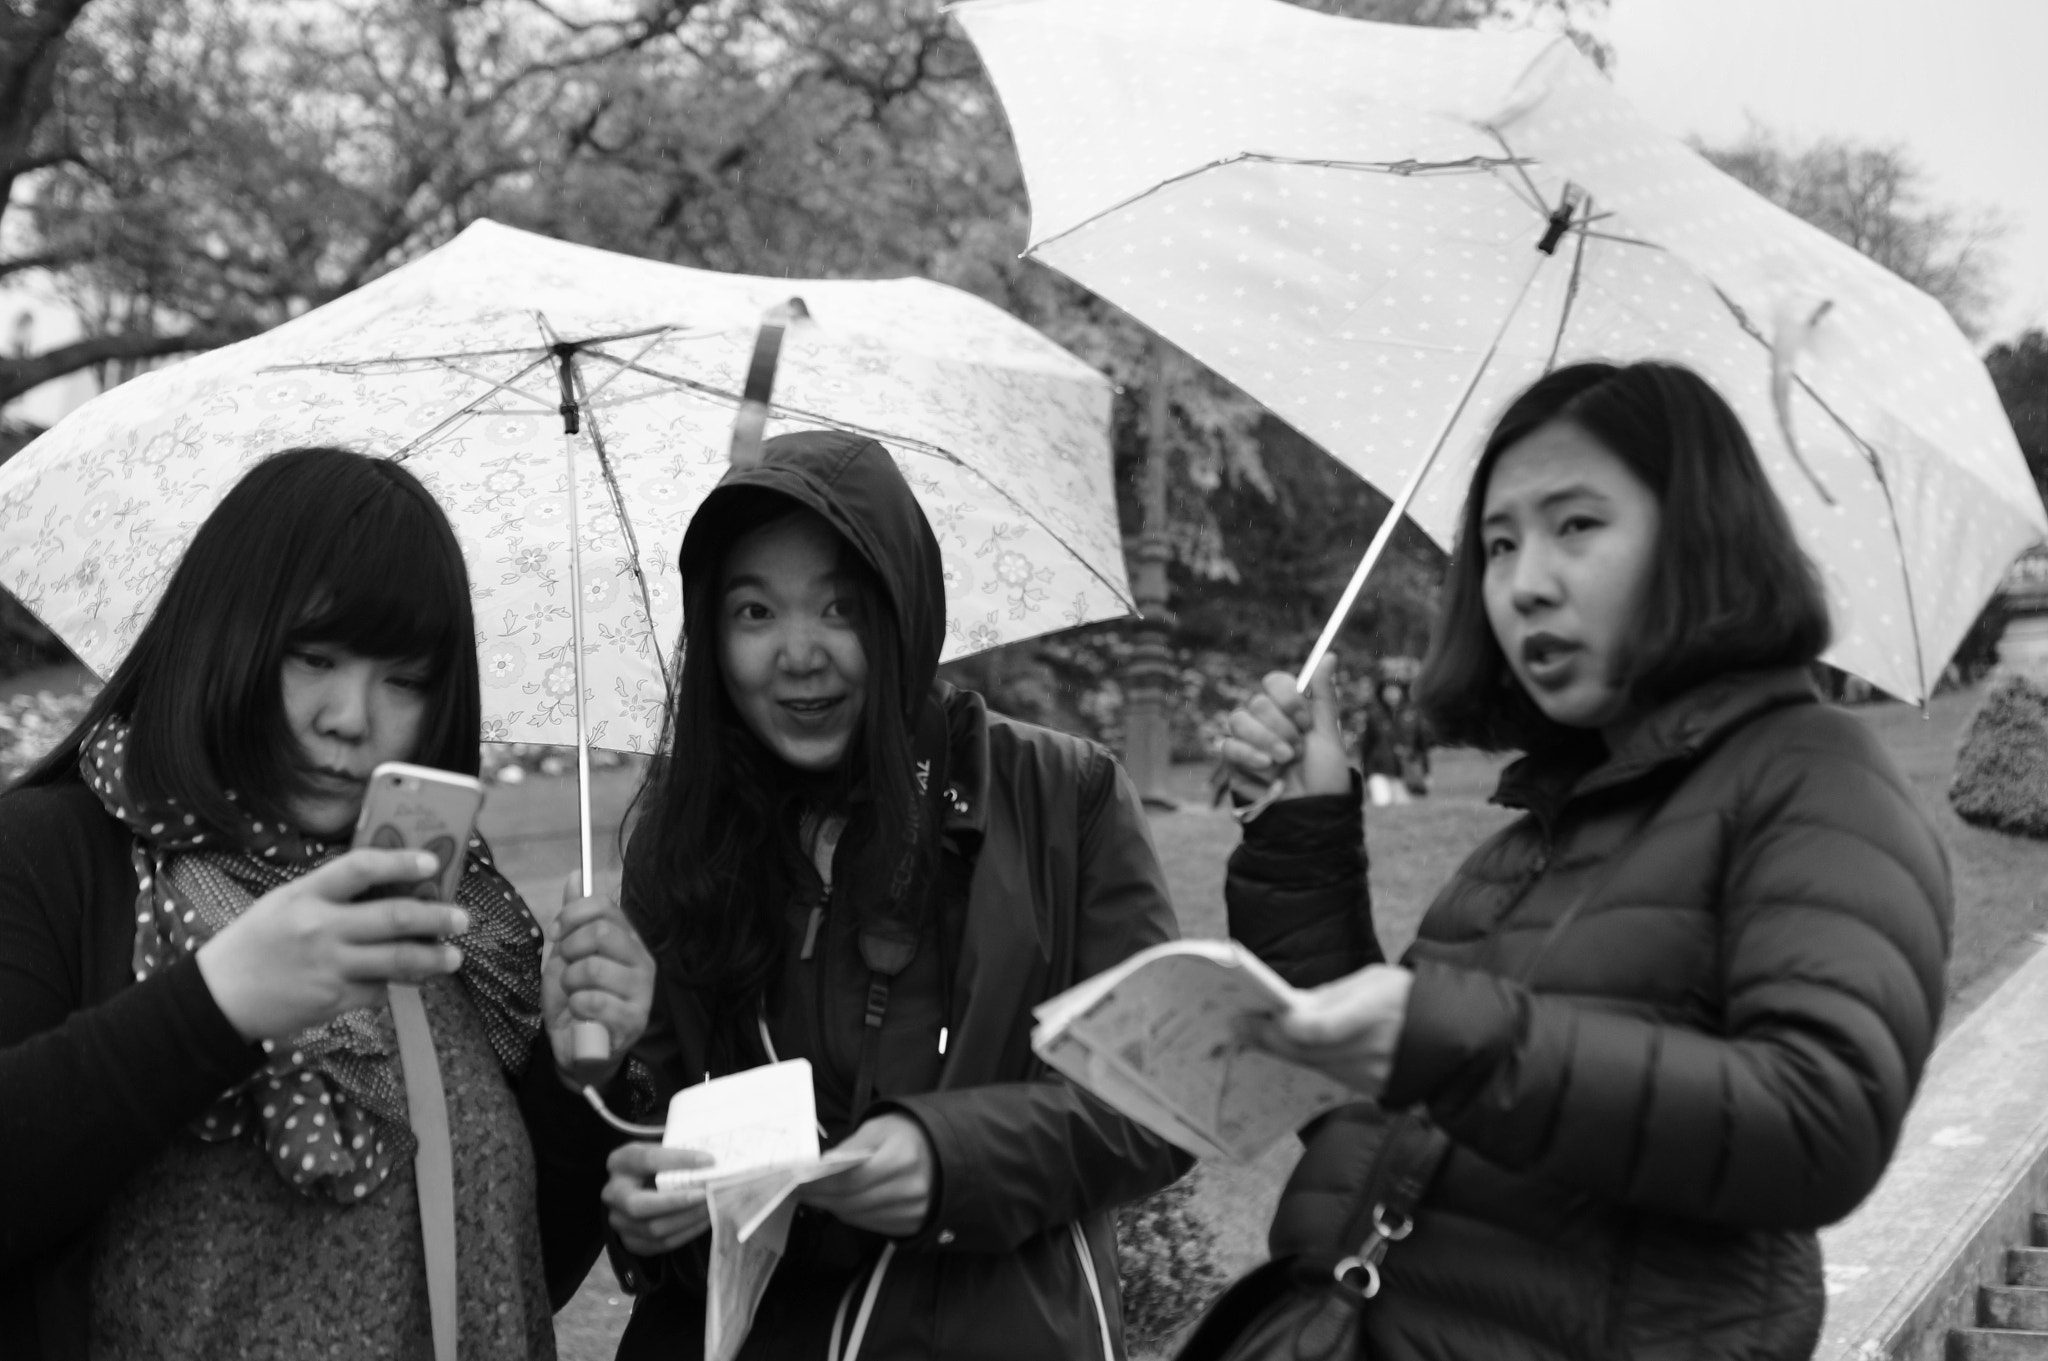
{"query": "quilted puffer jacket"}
(1710, 1061)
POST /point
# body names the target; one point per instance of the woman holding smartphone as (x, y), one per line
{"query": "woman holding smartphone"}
(841, 860)
(1669, 1020)
(204, 1142)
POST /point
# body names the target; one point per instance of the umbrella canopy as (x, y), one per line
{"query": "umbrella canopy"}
(461, 363)
(1349, 220)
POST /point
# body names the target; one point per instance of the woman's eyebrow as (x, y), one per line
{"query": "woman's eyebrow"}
(1577, 491)
(834, 576)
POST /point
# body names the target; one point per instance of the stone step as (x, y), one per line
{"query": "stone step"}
(2027, 1266)
(2013, 1307)
(1991, 1344)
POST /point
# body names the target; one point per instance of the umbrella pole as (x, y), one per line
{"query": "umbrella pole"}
(1385, 535)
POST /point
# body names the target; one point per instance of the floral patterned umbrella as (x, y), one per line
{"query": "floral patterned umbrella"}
(1384, 232)
(457, 364)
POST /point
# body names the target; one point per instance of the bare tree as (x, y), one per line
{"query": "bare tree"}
(1874, 197)
(188, 172)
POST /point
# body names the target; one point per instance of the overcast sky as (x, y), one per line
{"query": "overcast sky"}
(1963, 84)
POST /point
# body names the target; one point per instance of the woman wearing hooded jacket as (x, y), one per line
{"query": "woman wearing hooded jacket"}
(842, 860)
(1671, 1018)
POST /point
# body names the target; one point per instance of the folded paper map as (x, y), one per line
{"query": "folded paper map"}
(760, 1127)
(1159, 1037)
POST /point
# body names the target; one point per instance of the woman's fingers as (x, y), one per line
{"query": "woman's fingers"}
(642, 1159)
(600, 973)
(1260, 727)
(348, 876)
(1279, 690)
(393, 919)
(402, 962)
(650, 1221)
(600, 917)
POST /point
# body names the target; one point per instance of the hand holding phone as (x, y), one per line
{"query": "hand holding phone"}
(310, 949)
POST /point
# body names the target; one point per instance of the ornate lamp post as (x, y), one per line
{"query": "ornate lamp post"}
(1150, 677)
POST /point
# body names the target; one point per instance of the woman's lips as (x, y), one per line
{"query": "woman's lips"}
(1549, 660)
(811, 712)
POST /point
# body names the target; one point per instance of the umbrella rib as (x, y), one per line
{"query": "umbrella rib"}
(466, 409)
(1404, 169)
(1623, 240)
(619, 365)
(1884, 487)
(1520, 165)
(900, 441)
(393, 361)
(1749, 328)
(611, 482)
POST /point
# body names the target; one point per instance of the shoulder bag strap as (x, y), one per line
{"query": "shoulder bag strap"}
(434, 1165)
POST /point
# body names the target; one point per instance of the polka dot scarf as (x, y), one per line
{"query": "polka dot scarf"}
(329, 1103)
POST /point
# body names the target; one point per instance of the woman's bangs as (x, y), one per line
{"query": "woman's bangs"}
(395, 589)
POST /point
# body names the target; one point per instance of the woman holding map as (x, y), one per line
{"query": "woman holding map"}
(842, 860)
(1666, 1023)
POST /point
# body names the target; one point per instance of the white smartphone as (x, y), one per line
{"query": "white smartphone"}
(421, 808)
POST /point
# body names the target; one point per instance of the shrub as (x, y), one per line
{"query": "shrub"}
(1166, 1257)
(2001, 778)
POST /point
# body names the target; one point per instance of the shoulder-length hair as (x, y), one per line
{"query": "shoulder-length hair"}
(714, 852)
(1729, 588)
(313, 545)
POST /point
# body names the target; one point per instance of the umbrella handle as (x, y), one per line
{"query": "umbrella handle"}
(589, 1041)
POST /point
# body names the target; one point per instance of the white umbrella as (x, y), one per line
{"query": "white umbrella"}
(1349, 221)
(467, 364)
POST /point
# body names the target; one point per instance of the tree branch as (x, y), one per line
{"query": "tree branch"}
(17, 376)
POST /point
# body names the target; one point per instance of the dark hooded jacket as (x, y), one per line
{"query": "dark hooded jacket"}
(1046, 875)
(1709, 1062)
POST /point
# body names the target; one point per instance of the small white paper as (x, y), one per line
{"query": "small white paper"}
(760, 1127)
(747, 1121)
(1158, 1037)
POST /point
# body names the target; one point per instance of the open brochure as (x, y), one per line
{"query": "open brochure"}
(761, 1129)
(1159, 1038)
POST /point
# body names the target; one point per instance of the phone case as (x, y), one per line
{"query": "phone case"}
(423, 808)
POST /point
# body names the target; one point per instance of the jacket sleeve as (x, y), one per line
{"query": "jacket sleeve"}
(88, 1094)
(1018, 1158)
(1296, 888)
(1834, 932)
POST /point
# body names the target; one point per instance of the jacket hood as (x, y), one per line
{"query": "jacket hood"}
(854, 484)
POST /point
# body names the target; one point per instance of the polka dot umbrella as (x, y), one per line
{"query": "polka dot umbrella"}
(1384, 232)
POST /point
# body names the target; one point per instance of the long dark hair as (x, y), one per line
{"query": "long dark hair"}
(714, 854)
(1729, 588)
(313, 545)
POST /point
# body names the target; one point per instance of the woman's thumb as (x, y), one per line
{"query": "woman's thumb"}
(1324, 709)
